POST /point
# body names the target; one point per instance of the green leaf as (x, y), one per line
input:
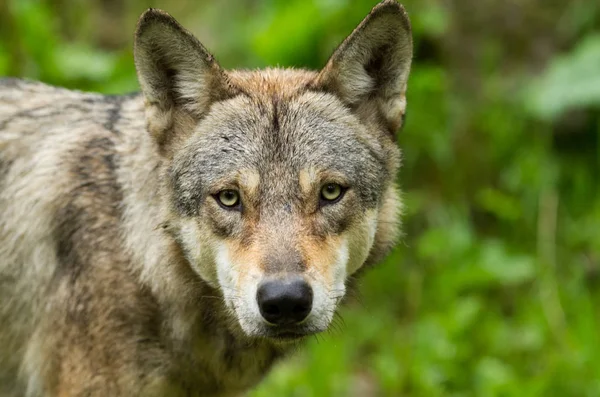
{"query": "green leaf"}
(505, 268)
(571, 81)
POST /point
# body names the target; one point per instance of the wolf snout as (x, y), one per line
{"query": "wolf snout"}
(285, 301)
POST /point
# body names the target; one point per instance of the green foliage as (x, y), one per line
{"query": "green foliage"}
(494, 288)
(572, 81)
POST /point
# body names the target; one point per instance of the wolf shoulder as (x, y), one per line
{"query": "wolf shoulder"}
(37, 120)
(29, 107)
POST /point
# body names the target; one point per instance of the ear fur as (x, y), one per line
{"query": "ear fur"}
(179, 77)
(369, 70)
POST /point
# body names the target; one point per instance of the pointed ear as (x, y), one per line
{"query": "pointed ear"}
(369, 70)
(179, 78)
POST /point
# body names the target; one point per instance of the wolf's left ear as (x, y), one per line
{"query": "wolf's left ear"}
(369, 70)
(180, 79)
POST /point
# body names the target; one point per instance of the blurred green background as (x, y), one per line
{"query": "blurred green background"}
(494, 290)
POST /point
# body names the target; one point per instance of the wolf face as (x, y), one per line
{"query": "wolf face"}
(281, 182)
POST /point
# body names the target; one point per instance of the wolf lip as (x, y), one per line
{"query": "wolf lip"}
(287, 334)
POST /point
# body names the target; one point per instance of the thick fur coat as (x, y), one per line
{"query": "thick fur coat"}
(135, 231)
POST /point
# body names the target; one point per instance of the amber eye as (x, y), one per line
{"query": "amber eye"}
(228, 198)
(331, 192)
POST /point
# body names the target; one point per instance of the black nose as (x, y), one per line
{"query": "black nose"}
(284, 301)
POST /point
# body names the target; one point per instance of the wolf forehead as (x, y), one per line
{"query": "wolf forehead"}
(277, 127)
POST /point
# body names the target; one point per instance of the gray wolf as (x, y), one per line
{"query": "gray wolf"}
(180, 241)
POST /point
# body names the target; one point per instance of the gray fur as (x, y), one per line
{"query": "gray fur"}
(121, 275)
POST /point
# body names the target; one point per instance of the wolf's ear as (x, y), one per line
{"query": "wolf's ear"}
(179, 78)
(369, 70)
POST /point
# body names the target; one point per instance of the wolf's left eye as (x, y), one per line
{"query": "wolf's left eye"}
(228, 198)
(331, 193)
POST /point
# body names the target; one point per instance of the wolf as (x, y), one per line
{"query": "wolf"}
(180, 241)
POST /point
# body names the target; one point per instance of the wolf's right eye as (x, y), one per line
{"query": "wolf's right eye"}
(228, 198)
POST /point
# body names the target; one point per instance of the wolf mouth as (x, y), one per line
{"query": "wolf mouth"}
(289, 334)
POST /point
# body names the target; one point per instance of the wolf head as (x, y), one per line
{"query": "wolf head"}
(281, 182)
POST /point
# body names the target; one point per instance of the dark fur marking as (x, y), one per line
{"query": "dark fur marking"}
(114, 113)
(5, 165)
(89, 209)
(231, 350)
(68, 220)
(29, 114)
(275, 121)
(6, 279)
(342, 224)
(220, 228)
(376, 67)
(24, 113)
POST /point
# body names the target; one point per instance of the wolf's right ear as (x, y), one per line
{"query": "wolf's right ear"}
(179, 77)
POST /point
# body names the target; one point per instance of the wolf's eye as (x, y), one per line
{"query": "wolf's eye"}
(228, 198)
(331, 193)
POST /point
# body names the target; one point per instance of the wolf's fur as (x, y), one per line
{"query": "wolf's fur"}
(120, 275)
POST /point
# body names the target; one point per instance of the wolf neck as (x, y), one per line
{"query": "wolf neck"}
(197, 326)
